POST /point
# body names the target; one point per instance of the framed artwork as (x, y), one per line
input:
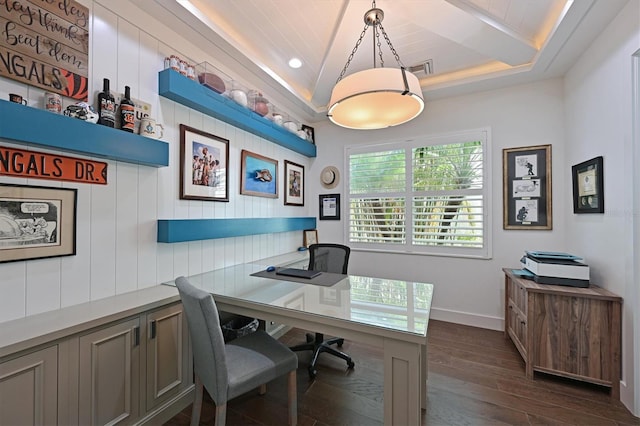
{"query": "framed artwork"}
(293, 184)
(204, 160)
(310, 236)
(526, 189)
(329, 206)
(36, 222)
(588, 186)
(258, 175)
(309, 133)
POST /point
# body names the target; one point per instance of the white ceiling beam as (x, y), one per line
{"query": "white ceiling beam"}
(464, 24)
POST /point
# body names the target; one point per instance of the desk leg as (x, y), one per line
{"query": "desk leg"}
(424, 376)
(403, 390)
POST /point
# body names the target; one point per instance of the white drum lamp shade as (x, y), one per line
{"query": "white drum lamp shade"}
(376, 98)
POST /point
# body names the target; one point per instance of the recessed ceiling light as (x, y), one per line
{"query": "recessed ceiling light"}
(295, 63)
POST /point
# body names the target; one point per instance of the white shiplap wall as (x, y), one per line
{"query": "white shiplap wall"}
(116, 227)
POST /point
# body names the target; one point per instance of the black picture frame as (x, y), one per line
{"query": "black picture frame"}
(204, 165)
(526, 188)
(329, 205)
(309, 133)
(38, 222)
(293, 184)
(588, 186)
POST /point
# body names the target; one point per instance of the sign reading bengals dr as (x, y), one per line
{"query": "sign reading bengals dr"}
(30, 164)
(45, 43)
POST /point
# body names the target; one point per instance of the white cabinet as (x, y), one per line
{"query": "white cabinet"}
(110, 374)
(28, 388)
(168, 360)
(125, 363)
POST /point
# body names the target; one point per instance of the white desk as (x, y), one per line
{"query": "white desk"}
(390, 314)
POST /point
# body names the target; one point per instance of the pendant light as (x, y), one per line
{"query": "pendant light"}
(378, 97)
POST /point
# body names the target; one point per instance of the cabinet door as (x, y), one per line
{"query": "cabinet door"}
(167, 356)
(29, 389)
(110, 375)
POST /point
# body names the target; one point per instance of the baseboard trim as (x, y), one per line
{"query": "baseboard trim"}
(169, 409)
(465, 318)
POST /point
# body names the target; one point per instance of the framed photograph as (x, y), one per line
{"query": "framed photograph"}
(310, 135)
(258, 175)
(526, 189)
(329, 206)
(588, 186)
(293, 184)
(204, 160)
(36, 222)
(310, 236)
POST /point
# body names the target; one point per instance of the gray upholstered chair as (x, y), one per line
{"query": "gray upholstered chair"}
(326, 257)
(232, 369)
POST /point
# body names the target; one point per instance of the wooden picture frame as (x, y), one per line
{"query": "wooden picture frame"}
(293, 184)
(310, 236)
(204, 160)
(258, 175)
(37, 222)
(588, 186)
(526, 188)
(310, 133)
(329, 206)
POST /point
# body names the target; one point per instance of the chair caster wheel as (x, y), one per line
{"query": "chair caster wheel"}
(309, 338)
(351, 364)
(312, 373)
(340, 343)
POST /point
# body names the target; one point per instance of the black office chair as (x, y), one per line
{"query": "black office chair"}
(326, 258)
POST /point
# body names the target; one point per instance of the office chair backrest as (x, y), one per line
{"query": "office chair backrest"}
(209, 360)
(327, 257)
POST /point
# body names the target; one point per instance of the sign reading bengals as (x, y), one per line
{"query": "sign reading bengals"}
(30, 164)
(45, 43)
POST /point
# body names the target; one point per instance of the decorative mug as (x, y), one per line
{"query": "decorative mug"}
(17, 99)
(53, 102)
(150, 129)
(277, 118)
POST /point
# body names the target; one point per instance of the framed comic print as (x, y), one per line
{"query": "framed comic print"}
(293, 184)
(258, 175)
(588, 186)
(36, 222)
(204, 165)
(526, 188)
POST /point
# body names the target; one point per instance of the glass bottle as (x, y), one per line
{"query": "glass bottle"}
(106, 106)
(127, 112)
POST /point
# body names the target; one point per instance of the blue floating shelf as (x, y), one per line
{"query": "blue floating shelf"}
(33, 126)
(180, 230)
(172, 85)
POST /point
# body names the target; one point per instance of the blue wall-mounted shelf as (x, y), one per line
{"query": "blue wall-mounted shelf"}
(34, 126)
(180, 230)
(172, 85)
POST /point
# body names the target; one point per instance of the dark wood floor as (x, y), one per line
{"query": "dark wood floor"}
(476, 377)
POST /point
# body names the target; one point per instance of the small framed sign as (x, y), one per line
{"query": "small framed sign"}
(329, 206)
(588, 186)
(310, 237)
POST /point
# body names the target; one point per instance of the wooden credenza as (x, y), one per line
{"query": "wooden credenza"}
(567, 331)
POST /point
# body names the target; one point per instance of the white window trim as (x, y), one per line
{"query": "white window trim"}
(483, 134)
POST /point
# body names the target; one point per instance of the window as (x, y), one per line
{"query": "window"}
(423, 196)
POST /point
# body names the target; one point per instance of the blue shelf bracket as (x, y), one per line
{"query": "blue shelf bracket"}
(181, 230)
(172, 85)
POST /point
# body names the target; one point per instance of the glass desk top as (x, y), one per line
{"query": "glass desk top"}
(402, 306)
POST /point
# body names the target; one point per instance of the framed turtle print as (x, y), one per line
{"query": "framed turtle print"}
(258, 175)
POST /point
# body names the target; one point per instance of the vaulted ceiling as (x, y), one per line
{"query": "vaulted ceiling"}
(453, 46)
